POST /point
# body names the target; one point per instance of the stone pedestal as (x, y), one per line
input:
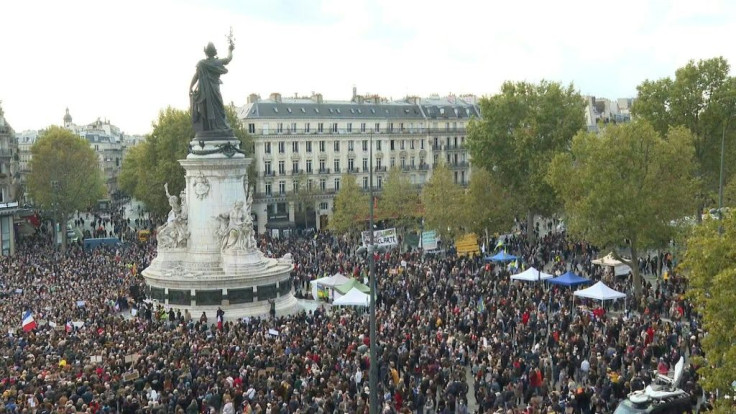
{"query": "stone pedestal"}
(203, 276)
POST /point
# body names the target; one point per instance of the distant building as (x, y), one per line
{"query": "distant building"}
(9, 185)
(105, 139)
(604, 111)
(319, 140)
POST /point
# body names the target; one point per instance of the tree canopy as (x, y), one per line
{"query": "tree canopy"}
(442, 200)
(155, 161)
(487, 205)
(521, 129)
(350, 207)
(710, 267)
(65, 174)
(702, 98)
(399, 199)
(625, 185)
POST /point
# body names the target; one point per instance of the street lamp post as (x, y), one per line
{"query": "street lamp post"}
(373, 374)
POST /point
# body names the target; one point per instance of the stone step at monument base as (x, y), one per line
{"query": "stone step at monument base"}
(285, 305)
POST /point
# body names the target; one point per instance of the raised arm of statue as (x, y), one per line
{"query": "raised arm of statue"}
(166, 188)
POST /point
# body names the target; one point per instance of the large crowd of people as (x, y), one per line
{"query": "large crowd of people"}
(455, 335)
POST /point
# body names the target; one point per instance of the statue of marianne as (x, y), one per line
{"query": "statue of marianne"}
(207, 108)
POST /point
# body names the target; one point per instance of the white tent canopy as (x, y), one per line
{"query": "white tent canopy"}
(531, 275)
(353, 297)
(331, 281)
(607, 260)
(599, 291)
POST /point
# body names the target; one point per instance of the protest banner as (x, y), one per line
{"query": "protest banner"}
(381, 238)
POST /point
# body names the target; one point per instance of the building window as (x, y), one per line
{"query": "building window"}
(295, 146)
(391, 145)
(462, 177)
(282, 147)
(323, 205)
(282, 168)
(268, 189)
(365, 183)
(390, 127)
(293, 128)
(401, 144)
(337, 184)
(320, 127)
(362, 127)
(309, 146)
(336, 146)
(322, 184)
(282, 187)
(377, 127)
(365, 145)
(365, 164)
(380, 182)
(267, 147)
(280, 127)
(412, 162)
(411, 144)
(334, 127)
(403, 162)
(401, 127)
(392, 162)
(309, 185)
(351, 146)
(378, 145)
(295, 167)
(336, 164)
(350, 127)
(447, 126)
(378, 163)
(322, 166)
(309, 166)
(421, 144)
(321, 146)
(306, 127)
(251, 128)
(295, 186)
(351, 164)
(267, 167)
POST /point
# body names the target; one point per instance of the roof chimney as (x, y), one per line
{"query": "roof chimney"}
(253, 98)
(276, 97)
(355, 93)
(317, 97)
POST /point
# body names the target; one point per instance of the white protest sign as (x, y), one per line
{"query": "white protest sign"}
(381, 238)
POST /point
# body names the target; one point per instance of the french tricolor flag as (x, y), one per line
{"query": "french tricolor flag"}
(29, 323)
(68, 327)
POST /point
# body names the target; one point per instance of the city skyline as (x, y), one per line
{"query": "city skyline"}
(125, 62)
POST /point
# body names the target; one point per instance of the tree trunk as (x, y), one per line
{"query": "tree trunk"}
(530, 226)
(62, 229)
(634, 265)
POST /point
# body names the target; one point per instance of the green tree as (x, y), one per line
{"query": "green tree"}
(155, 161)
(710, 266)
(65, 175)
(399, 200)
(487, 205)
(624, 186)
(702, 98)
(303, 195)
(442, 200)
(521, 129)
(350, 207)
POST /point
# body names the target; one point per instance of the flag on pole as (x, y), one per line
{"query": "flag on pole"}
(219, 322)
(481, 305)
(499, 244)
(28, 323)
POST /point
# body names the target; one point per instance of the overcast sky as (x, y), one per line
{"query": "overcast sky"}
(126, 60)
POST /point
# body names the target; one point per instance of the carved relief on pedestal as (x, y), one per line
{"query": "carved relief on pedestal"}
(201, 186)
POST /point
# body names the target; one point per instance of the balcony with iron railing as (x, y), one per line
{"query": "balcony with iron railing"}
(357, 131)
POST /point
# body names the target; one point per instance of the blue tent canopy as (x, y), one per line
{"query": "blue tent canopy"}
(500, 257)
(568, 279)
